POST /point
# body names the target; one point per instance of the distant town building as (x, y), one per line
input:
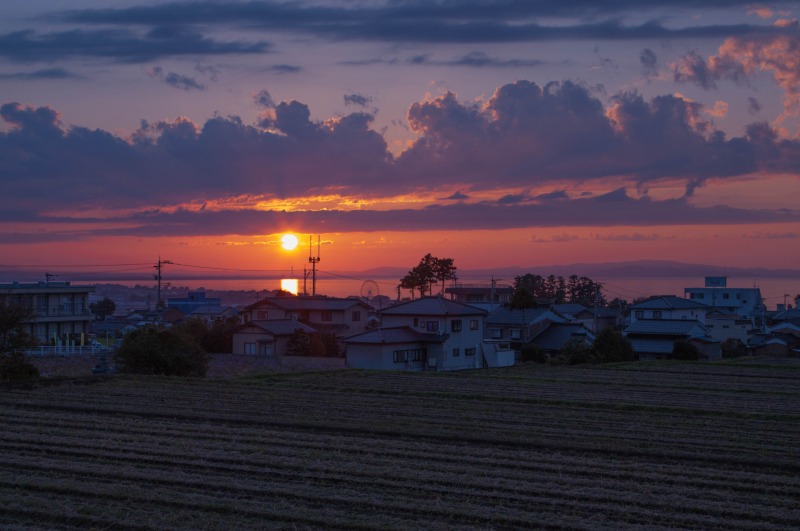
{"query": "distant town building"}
(194, 301)
(746, 302)
(61, 310)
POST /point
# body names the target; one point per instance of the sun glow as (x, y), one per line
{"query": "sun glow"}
(289, 242)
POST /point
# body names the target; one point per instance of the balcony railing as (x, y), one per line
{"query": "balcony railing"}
(66, 350)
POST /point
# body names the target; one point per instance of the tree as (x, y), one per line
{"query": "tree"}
(685, 351)
(733, 348)
(14, 339)
(103, 308)
(522, 299)
(316, 346)
(612, 346)
(575, 351)
(155, 350)
(299, 344)
(430, 270)
(585, 291)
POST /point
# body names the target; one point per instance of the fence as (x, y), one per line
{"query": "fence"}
(66, 350)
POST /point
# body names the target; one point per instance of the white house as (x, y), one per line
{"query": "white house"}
(669, 307)
(746, 302)
(446, 334)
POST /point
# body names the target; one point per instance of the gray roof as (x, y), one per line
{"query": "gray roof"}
(280, 327)
(555, 336)
(400, 334)
(666, 327)
(311, 303)
(432, 306)
(568, 308)
(653, 346)
(505, 315)
(668, 302)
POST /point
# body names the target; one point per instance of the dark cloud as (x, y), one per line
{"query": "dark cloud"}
(425, 21)
(117, 45)
(753, 106)
(358, 100)
(476, 60)
(692, 67)
(458, 196)
(649, 62)
(621, 210)
(178, 81)
(523, 137)
(284, 69)
(45, 74)
(264, 99)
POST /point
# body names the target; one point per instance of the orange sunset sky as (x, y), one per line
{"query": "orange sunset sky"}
(495, 133)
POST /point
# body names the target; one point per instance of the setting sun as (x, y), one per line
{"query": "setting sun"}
(289, 242)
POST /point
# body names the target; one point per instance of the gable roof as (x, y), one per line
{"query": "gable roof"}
(398, 334)
(667, 327)
(668, 302)
(506, 315)
(556, 335)
(311, 303)
(568, 308)
(432, 306)
(278, 327)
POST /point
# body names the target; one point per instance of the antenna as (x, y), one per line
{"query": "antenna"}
(313, 260)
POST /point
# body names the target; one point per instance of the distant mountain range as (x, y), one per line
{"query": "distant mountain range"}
(632, 269)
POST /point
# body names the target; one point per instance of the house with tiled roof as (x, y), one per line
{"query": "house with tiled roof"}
(436, 333)
(553, 338)
(517, 325)
(341, 317)
(655, 338)
(266, 338)
(669, 307)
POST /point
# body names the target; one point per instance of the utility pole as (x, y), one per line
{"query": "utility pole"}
(313, 260)
(161, 263)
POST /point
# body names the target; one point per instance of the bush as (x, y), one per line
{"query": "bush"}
(576, 351)
(733, 348)
(612, 346)
(685, 351)
(15, 367)
(533, 353)
(154, 350)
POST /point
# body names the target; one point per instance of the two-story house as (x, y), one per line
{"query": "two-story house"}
(426, 333)
(669, 307)
(341, 317)
(61, 310)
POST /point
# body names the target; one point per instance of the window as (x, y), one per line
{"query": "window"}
(515, 333)
(639, 314)
(495, 333)
(327, 316)
(696, 296)
(416, 322)
(356, 315)
(262, 314)
(726, 296)
(456, 353)
(432, 326)
(455, 325)
(656, 314)
(250, 348)
(473, 324)
(402, 356)
(470, 351)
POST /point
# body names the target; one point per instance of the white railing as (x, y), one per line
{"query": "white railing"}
(66, 350)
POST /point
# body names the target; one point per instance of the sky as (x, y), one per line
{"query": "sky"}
(495, 132)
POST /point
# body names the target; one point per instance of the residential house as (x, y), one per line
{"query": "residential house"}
(481, 293)
(213, 313)
(746, 302)
(723, 325)
(435, 332)
(61, 310)
(193, 301)
(516, 326)
(554, 337)
(341, 317)
(655, 338)
(669, 307)
(266, 338)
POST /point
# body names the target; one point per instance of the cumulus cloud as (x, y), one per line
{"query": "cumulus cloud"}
(739, 58)
(524, 137)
